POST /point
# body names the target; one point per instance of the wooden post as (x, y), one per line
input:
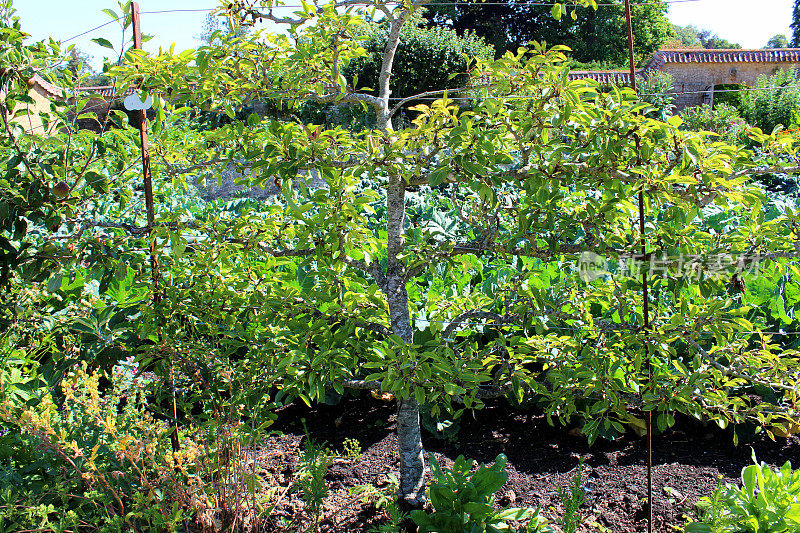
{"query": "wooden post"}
(151, 217)
(645, 297)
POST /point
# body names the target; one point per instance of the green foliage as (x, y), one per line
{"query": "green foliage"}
(692, 37)
(723, 119)
(315, 460)
(655, 88)
(324, 277)
(440, 262)
(421, 48)
(730, 94)
(796, 24)
(593, 34)
(777, 41)
(464, 502)
(572, 498)
(775, 101)
(767, 502)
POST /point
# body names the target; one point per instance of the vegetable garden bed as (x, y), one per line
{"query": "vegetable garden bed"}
(688, 460)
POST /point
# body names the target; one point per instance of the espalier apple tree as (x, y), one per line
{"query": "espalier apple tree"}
(440, 262)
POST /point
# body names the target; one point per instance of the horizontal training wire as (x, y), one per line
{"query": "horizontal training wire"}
(367, 3)
(527, 97)
(204, 10)
(91, 30)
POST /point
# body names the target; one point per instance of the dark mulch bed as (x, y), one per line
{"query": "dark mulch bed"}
(688, 460)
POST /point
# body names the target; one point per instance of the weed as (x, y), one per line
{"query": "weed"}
(384, 497)
(769, 500)
(572, 498)
(351, 449)
(315, 460)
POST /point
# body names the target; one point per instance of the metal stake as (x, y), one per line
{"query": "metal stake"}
(151, 215)
(645, 298)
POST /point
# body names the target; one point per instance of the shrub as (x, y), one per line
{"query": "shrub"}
(465, 502)
(768, 501)
(729, 94)
(656, 90)
(105, 463)
(776, 100)
(425, 62)
(723, 120)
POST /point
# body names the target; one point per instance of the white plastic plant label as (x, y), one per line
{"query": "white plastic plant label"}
(133, 102)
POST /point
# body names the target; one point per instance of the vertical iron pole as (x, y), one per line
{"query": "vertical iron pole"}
(645, 296)
(151, 215)
(148, 180)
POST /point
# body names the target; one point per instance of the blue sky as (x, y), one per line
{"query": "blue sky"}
(748, 22)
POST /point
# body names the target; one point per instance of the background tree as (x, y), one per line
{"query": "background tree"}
(712, 41)
(684, 37)
(79, 63)
(593, 35)
(79, 67)
(692, 37)
(796, 23)
(777, 41)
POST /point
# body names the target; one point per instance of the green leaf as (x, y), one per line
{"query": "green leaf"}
(557, 11)
(54, 283)
(698, 527)
(96, 181)
(103, 42)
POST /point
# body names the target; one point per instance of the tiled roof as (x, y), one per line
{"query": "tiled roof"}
(106, 91)
(52, 90)
(602, 76)
(773, 55)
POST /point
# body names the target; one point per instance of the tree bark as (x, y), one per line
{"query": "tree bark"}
(412, 460)
(409, 438)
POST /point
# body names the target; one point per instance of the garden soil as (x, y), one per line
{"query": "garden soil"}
(689, 461)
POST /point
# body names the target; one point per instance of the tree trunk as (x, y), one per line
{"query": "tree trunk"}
(409, 438)
(412, 460)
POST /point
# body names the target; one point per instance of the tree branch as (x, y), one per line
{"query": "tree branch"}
(400, 104)
(733, 373)
(766, 170)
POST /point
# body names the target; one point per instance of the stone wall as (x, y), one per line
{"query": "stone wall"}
(32, 122)
(699, 79)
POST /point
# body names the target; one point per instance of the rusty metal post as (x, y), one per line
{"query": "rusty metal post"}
(151, 216)
(148, 180)
(645, 296)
